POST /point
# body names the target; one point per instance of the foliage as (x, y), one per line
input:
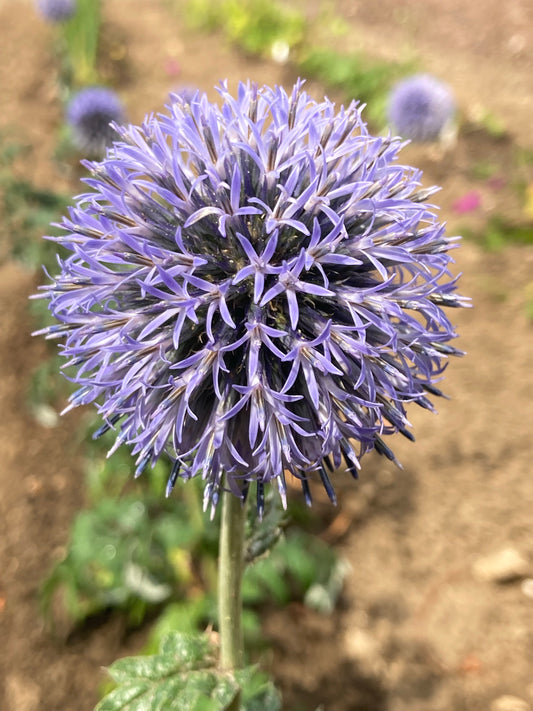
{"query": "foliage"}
(80, 39)
(256, 26)
(131, 554)
(296, 563)
(27, 210)
(499, 232)
(182, 676)
(253, 25)
(133, 551)
(494, 125)
(355, 75)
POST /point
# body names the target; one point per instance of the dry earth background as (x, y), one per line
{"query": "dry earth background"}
(418, 628)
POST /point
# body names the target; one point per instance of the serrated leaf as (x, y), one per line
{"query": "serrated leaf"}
(178, 652)
(180, 677)
(183, 691)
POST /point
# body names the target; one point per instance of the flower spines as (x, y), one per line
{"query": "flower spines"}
(240, 288)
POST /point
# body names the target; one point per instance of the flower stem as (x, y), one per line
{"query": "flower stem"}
(230, 571)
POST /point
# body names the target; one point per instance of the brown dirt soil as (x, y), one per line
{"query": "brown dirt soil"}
(417, 629)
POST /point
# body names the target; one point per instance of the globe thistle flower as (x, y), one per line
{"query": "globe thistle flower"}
(255, 289)
(421, 108)
(56, 10)
(89, 114)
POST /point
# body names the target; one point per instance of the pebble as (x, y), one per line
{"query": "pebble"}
(504, 566)
(509, 703)
(22, 693)
(527, 588)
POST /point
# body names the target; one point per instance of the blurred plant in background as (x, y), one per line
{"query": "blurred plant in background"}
(421, 108)
(27, 210)
(132, 550)
(254, 25)
(78, 28)
(89, 107)
(81, 36)
(281, 31)
(89, 115)
(356, 76)
(56, 10)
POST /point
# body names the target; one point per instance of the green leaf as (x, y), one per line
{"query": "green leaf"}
(298, 562)
(254, 25)
(356, 75)
(116, 556)
(187, 616)
(182, 677)
(258, 692)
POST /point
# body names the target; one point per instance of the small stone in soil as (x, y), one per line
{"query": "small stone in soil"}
(509, 703)
(502, 567)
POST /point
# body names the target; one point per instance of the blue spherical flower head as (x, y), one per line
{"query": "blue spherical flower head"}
(421, 107)
(89, 114)
(56, 10)
(254, 288)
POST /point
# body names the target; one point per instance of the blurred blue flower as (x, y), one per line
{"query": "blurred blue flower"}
(56, 10)
(254, 289)
(89, 114)
(421, 107)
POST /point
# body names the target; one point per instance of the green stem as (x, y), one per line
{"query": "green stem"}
(230, 571)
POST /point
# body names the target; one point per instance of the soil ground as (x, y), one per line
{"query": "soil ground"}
(417, 627)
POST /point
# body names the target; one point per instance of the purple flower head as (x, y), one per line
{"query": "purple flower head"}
(90, 113)
(254, 288)
(420, 107)
(56, 10)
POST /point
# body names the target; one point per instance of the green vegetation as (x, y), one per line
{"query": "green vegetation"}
(355, 75)
(257, 27)
(133, 550)
(80, 39)
(253, 25)
(27, 210)
(182, 674)
(498, 233)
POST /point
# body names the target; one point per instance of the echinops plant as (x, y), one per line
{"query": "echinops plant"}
(254, 289)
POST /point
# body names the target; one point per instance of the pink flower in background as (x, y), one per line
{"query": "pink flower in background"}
(467, 203)
(172, 67)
